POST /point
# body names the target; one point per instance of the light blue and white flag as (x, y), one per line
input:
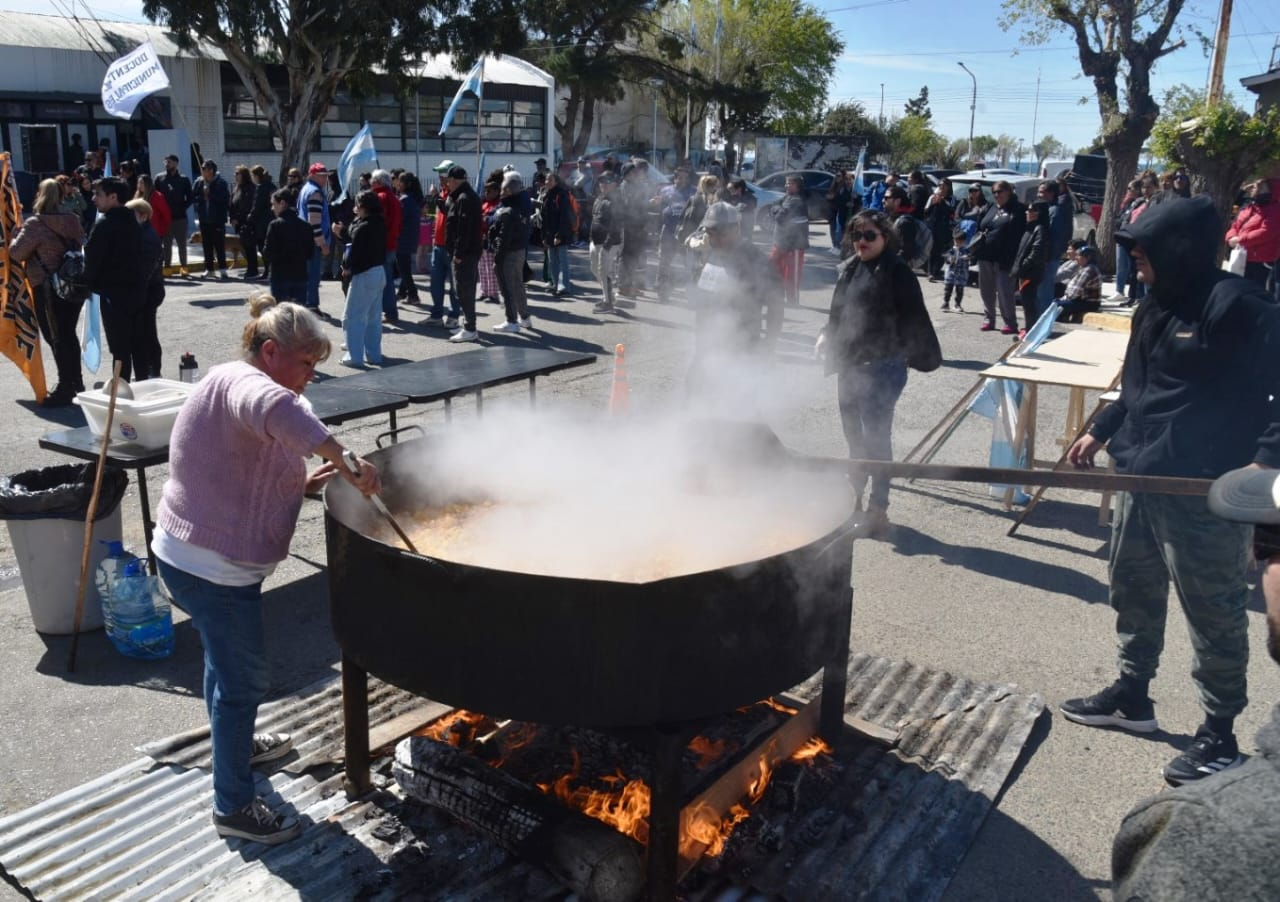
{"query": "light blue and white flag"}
(1001, 399)
(359, 156)
(858, 188)
(474, 82)
(91, 335)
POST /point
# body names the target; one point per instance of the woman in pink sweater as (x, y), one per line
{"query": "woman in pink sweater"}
(237, 476)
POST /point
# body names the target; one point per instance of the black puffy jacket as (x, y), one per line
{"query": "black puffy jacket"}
(1203, 360)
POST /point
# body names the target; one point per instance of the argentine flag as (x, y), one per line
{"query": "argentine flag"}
(859, 189)
(474, 82)
(359, 155)
(91, 335)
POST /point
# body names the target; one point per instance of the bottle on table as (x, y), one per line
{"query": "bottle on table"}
(188, 369)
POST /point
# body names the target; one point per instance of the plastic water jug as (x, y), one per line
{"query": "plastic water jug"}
(137, 617)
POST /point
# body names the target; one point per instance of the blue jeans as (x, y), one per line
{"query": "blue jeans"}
(1158, 537)
(441, 272)
(362, 316)
(558, 266)
(868, 395)
(236, 675)
(389, 287)
(284, 290)
(313, 279)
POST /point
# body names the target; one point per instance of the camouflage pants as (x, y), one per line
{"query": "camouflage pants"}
(1156, 537)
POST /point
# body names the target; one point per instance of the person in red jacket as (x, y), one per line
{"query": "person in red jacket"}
(1257, 230)
(161, 217)
(384, 187)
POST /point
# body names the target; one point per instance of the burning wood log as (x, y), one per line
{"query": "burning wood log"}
(590, 858)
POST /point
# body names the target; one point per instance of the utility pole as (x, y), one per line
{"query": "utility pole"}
(973, 106)
(1214, 91)
(882, 104)
(1035, 114)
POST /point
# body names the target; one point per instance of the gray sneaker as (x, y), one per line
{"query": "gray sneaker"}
(257, 823)
(269, 747)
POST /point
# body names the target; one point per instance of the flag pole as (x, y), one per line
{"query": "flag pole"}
(479, 179)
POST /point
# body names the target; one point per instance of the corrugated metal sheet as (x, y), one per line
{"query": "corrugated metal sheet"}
(894, 824)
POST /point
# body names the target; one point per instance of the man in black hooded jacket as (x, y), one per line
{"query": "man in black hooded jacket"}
(1200, 372)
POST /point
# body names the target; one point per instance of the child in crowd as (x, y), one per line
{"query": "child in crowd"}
(1070, 266)
(1084, 291)
(956, 276)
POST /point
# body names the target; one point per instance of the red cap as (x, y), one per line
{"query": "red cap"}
(317, 169)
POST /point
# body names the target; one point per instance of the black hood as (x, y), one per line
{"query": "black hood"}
(1181, 241)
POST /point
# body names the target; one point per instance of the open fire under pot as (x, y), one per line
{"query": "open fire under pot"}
(650, 660)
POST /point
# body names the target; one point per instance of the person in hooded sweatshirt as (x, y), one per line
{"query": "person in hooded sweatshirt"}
(41, 242)
(1196, 400)
(1217, 839)
(1030, 262)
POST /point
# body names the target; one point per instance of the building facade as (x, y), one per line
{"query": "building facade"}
(51, 110)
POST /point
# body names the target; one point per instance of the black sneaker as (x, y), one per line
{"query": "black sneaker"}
(1112, 707)
(257, 823)
(269, 747)
(1207, 755)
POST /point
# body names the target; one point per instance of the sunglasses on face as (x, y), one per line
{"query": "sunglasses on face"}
(869, 236)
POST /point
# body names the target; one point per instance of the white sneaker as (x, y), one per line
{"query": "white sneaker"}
(464, 335)
(1117, 299)
(451, 323)
(526, 323)
(507, 327)
(224, 275)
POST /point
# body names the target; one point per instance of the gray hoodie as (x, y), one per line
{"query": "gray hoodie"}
(1218, 838)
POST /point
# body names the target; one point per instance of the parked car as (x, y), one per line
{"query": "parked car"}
(816, 184)
(1083, 224)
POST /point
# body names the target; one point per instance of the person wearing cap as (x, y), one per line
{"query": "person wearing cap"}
(606, 241)
(1196, 400)
(540, 171)
(509, 239)
(791, 238)
(1217, 839)
(1083, 292)
(1029, 263)
(463, 243)
(213, 206)
(876, 328)
(441, 265)
(313, 209)
(176, 190)
(738, 302)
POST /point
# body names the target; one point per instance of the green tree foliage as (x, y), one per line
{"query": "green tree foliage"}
(912, 143)
(596, 49)
(1048, 147)
(919, 105)
(850, 118)
(1117, 42)
(294, 55)
(953, 155)
(1221, 145)
(983, 146)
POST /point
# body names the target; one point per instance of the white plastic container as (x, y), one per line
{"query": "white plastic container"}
(45, 550)
(145, 421)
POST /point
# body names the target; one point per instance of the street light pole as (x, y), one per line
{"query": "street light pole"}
(973, 106)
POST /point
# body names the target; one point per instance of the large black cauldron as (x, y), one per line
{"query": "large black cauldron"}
(580, 651)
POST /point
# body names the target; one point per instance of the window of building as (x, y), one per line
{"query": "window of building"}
(245, 127)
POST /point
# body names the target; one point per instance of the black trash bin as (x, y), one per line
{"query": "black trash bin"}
(45, 510)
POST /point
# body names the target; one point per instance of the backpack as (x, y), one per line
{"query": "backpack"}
(918, 254)
(68, 280)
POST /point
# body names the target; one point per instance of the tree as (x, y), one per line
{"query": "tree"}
(983, 146)
(912, 143)
(1116, 40)
(1047, 147)
(594, 49)
(850, 118)
(322, 45)
(1004, 149)
(953, 154)
(919, 105)
(1220, 144)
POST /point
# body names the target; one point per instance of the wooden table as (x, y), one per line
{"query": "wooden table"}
(1081, 360)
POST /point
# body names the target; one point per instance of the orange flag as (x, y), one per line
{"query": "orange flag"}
(19, 331)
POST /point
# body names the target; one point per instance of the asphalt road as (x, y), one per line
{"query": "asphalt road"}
(947, 589)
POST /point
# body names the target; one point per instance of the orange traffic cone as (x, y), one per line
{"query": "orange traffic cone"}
(620, 396)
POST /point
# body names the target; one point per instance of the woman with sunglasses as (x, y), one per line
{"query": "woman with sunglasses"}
(877, 327)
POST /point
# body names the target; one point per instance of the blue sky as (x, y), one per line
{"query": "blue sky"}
(906, 44)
